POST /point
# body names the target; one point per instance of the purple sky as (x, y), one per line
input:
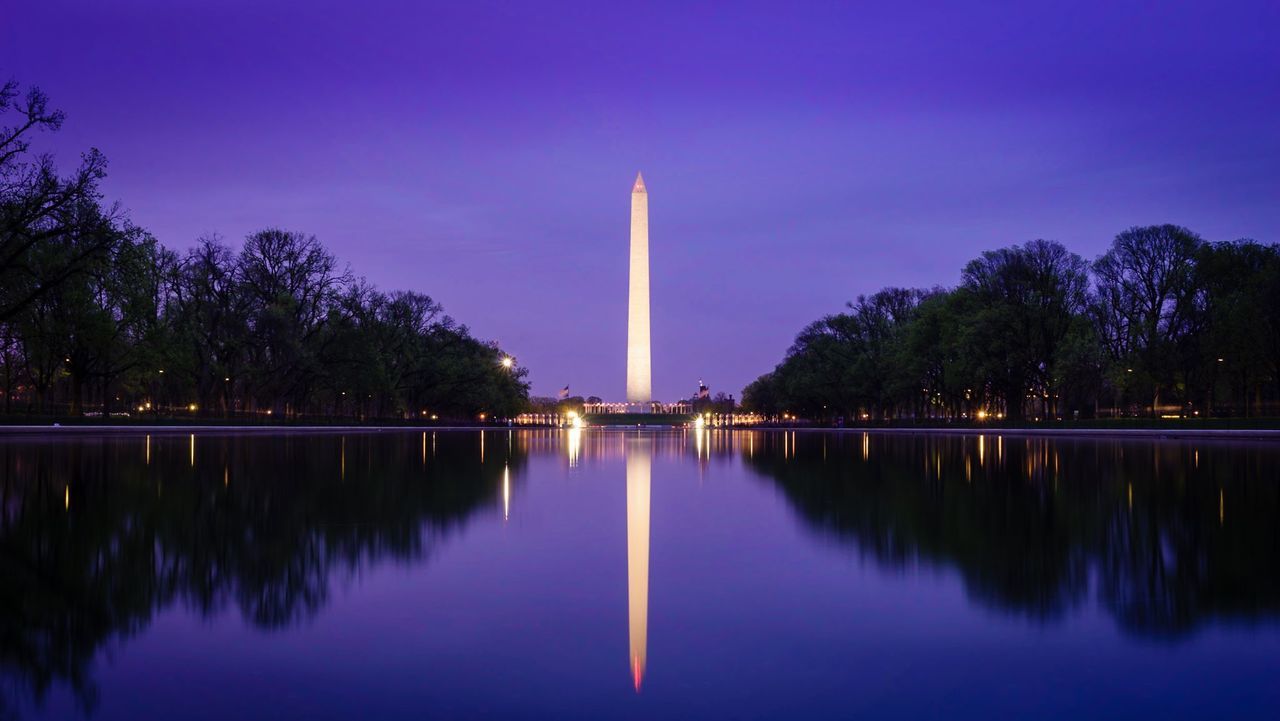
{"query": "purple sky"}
(796, 154)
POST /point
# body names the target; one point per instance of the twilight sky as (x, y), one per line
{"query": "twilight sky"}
(796, 154)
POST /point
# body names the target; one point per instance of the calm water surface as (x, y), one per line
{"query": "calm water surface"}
(610, 574)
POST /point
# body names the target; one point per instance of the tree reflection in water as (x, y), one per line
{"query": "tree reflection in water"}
(1167, 535)
(98, 534)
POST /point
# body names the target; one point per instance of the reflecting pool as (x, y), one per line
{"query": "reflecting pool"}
(637, 574)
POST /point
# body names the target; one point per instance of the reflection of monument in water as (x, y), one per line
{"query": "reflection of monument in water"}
(639, 454)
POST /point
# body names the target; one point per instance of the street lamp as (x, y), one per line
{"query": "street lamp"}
(507, 361)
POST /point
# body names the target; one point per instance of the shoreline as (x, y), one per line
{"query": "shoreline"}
(1172, 434)
(1251, 434)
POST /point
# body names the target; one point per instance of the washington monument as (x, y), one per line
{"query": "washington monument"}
(639, 378)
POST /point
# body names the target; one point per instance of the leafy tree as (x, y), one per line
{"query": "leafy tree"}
(1024, 302)
(51, 228)
(1145, 302)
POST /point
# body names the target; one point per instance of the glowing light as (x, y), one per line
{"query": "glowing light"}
(148, 449)
(699, 422)
(192, 408)
(982, 415)
(193, 450)
(507, 362)
(639, 375)
(66, 497)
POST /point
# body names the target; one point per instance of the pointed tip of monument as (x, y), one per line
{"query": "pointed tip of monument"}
(639, 186)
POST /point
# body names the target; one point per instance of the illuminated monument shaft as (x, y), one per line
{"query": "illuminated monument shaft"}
(639, 378)
(638, 472)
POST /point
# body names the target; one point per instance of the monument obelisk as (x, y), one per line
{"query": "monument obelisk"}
(639, 378)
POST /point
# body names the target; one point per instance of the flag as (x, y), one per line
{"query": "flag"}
(564, 393)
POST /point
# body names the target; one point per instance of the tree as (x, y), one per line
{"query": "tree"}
(291, 283)
(210, 323)
(1025, 300)
(40, 211)
(1238, 314)
(1145, 302)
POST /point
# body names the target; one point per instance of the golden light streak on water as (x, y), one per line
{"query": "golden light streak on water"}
(574, 446)
(482, 448)
(1222, 507)
(193, 450)
(1130, 496)
(342, 458)
(148, 453)
(424, 448)
(638, 478)
(981, 451)
(66, 497)
(506, 493)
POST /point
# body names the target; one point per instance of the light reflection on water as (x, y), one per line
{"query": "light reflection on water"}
(1129, 542)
